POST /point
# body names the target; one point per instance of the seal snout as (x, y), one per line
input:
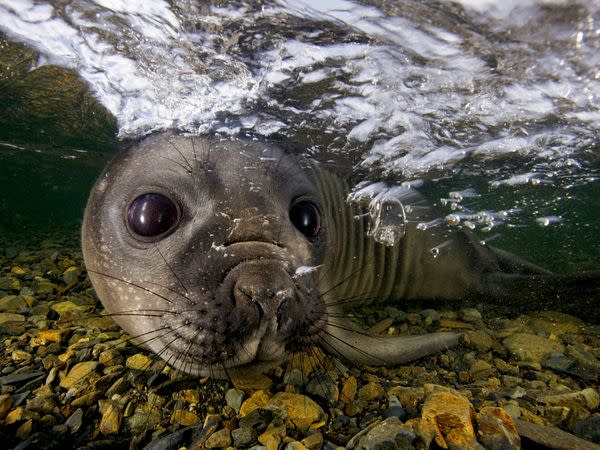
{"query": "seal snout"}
(263, 292)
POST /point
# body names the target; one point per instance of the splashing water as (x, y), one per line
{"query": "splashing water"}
(502, 90)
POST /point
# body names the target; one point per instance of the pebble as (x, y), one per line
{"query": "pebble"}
(243, 436)
(234, 398)
(587, 398)
(75, 420)
(589, 428)
(78, 373)
(20, 414)
(145, 417)
(117, 401)
(390, 433)
(323, 385)
(313, 441)
(496, 429)
(185, 418)
(139, 361)
(553, 438)
(6, 403)
(480, 370)
(15, 303)
(259, 399)
(430, 316)
(111, 419)
(11, 317)
(272, 436)
(349, 389)
(300, 411)
(470, 315)
(371, 391)
(394, 408)
(448, 417)
(480, 340)
(531, 348)
(219, 439)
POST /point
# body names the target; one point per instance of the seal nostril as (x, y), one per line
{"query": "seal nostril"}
(245, 299)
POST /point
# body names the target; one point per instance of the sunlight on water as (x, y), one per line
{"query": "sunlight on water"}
(505, 91)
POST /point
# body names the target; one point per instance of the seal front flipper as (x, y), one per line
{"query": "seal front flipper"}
(347, 340)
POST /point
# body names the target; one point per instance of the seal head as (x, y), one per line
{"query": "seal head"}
(199, 249)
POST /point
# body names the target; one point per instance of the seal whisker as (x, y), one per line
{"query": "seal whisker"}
(331, 349)
(172, 271)
(150, 291)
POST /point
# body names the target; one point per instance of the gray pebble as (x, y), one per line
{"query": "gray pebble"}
(234, 398)
(243, 436)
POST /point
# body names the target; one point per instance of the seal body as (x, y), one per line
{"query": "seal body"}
(224, 254)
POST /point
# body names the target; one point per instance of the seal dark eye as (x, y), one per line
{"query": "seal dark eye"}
(307, 218)
(151, 215)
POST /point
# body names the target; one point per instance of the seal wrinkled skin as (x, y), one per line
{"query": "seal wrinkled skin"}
(226, 254)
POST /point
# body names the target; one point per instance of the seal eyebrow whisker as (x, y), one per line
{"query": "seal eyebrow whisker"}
(192, 141)
(187, 293)
(190, 168)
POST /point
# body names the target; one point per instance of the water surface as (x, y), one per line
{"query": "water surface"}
(491, 108)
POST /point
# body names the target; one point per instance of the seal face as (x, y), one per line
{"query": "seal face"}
(197, 247)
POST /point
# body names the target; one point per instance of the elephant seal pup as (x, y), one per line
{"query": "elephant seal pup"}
(226, 254)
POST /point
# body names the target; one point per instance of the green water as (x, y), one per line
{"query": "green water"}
(55, 140)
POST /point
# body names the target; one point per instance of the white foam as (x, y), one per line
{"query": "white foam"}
(413, 94)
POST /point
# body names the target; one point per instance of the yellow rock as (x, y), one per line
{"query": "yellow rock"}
(64, 357)
(45, 336)
(21, 356)
(259, 399)
(68, 307)
(24, 430)
(300, 411)
(450, 416)
(111, 420)
(496, 429)
(449, 323)
(188, 395)
(272, 437)
(251, 381)
(139, 361)
(78, 373)
(17, 270)
(11, 317)
(371, 391)
(6, 402)
(348, 393)
(185, 418)
(19, 414)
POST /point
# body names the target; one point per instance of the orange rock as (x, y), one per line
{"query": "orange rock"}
(450, 417)
(348, 393)
(496, 429)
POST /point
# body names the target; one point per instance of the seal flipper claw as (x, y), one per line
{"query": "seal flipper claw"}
(350, 342)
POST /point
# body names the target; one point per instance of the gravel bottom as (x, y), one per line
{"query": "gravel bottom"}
(70, 379)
